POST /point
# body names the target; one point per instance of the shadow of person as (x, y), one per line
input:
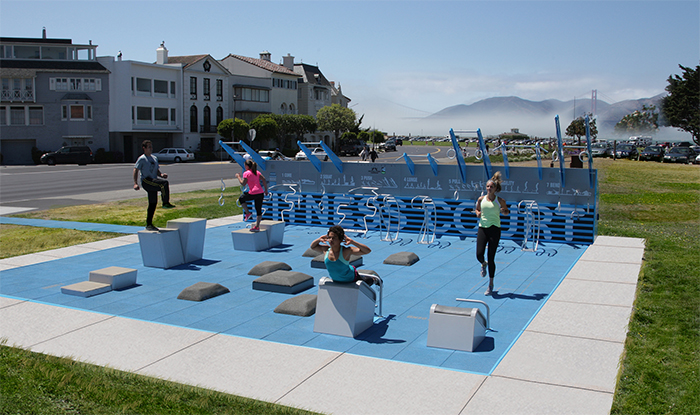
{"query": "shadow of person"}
(375, 333)
(536, 297)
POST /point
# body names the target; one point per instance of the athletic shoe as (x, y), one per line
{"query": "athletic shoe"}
(489, 291)
(168, 206)
(255, 229)
(247, 217)
(484, 267)
(151, 228)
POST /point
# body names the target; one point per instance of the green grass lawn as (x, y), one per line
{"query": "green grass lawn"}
(660, 369)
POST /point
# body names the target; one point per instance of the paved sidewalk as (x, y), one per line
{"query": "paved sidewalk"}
(565, 361)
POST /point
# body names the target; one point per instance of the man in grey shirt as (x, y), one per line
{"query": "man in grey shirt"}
(152, 181)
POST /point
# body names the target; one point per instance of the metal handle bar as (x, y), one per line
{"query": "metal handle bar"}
(488, 310)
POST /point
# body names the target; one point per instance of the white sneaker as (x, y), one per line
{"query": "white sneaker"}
(484, 269)
(489, 291)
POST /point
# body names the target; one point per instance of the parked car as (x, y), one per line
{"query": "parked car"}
(697, 159)
(601, 150)
(351, 147)
(626, 151)
(679, 154)
(388, 145)
(175, 154)
(272, 155)
(80, 155)
(652, 153)
(318, 152)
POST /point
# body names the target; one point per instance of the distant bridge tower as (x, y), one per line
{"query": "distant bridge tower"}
(594, 101)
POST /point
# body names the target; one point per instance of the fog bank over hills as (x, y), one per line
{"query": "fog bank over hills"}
(536, 118)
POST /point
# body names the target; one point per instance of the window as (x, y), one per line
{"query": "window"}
(252, 94)
(143, 115)
(193, 119)
(3, 115)
(143, 86)
(76, 84)
(17, 116)
(172, 116)
(219, 90)
(61, 84)
(161, 116)
(206, 88)
(172, 89)
(77, 112)
(193, 87)
(219, 115)
(207, 117)
(88, 109)
(64, 112)
(160, 87)
(36, 116)
(27, 52)
(89, 84)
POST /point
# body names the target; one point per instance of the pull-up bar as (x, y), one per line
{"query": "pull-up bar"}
(412, 167)
(238, 158)
(315, 161)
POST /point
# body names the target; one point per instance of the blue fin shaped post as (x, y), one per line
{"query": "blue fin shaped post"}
(237, 157)
(313, 159)
(460, 158)
(331, 155)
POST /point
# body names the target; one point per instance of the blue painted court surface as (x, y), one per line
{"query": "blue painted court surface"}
(447, 270)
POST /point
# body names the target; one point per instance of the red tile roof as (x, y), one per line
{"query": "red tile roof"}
(267, 65)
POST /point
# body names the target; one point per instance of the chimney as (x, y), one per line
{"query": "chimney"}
(162, 54)
(43, 33)
(288, 62)
(266, 56)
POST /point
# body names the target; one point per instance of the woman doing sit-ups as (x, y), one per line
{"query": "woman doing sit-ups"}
(337, 258)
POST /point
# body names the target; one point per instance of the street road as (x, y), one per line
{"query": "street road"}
(43, 187)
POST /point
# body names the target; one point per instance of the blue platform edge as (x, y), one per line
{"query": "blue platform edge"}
(447, 270)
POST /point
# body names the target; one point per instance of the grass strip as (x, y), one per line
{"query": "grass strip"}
(38, 384)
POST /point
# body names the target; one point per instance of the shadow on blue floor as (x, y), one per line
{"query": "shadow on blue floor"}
(447, 270)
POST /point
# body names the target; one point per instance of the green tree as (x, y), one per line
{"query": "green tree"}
(377, 136)
(300, 124)
(348, 136)
(364, 136)
(682, 106)
(265, 127)
(645, 121)
(238, 127)
(335, 118)
(577, 129)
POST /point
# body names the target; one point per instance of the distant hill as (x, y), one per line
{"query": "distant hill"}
(521, 113)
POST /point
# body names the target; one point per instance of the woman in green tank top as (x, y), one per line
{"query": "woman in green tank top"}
(488, 209)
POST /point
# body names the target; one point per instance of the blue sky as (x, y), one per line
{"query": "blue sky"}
(398, 60)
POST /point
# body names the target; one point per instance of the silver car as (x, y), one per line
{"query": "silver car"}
(176, 155)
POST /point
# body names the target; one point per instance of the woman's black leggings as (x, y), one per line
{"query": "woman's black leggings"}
(256, 198)
(490, 236)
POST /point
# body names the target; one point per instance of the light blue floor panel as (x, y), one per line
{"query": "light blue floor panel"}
(447, 270)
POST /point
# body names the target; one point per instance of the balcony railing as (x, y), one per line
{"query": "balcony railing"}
(207, 129)
(18, 95)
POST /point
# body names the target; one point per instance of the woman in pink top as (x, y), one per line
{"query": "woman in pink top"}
(257, 188)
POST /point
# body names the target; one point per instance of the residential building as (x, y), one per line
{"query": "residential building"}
(316, 92)
(205, 83)
(146, 103)
(53, 93)
(261, 86)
